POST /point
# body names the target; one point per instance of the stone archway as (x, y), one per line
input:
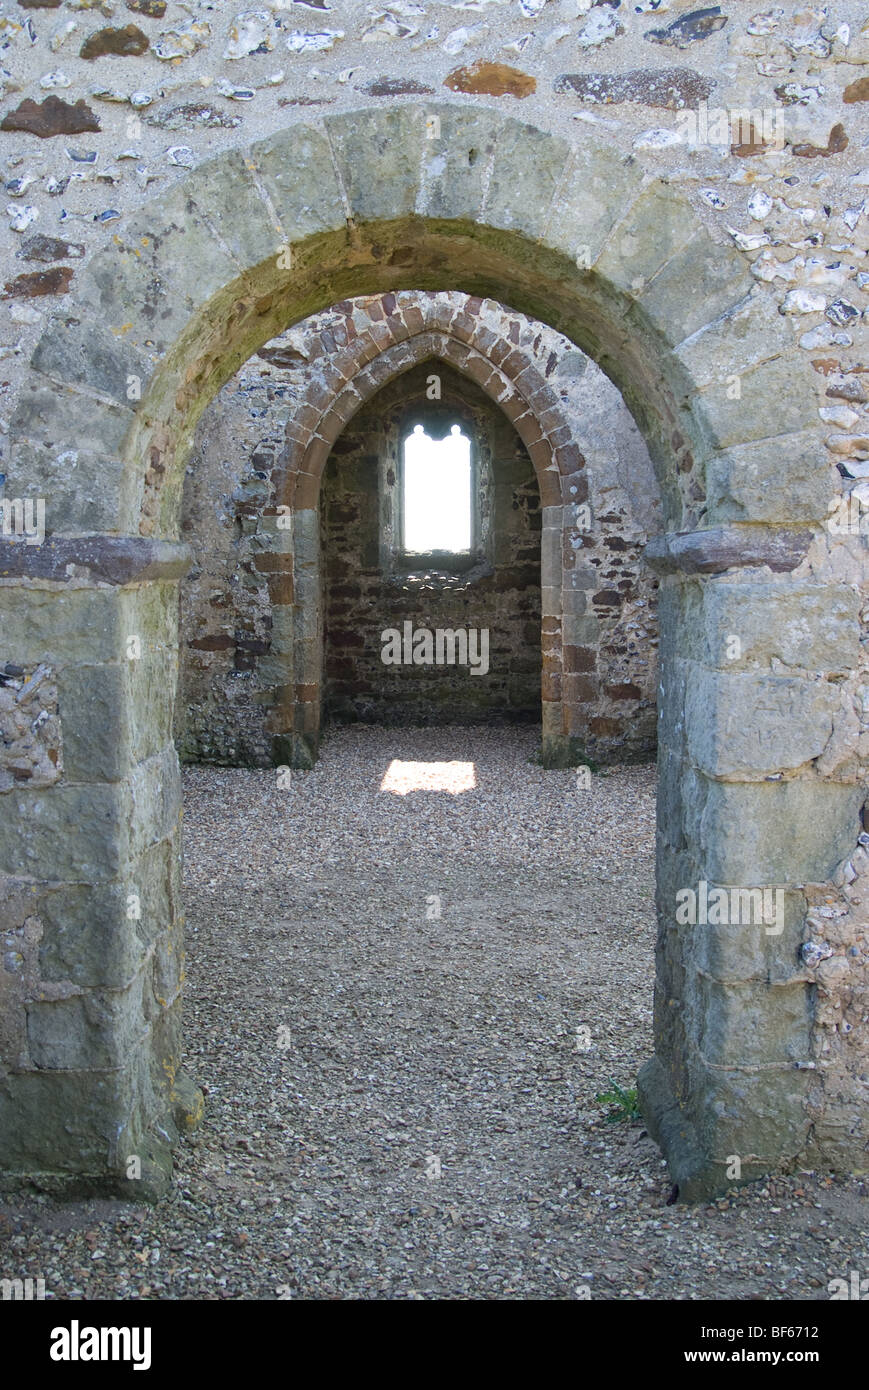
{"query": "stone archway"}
(247, 244)
(558, 464)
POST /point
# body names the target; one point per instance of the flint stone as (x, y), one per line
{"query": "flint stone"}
(39, 283)
(670, 88)
(53, 116)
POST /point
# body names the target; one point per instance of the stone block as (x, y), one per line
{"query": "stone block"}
(456, 158)
(61, 419)
(88, 934)
(74, 1124)
(750, 331)
(527, 169)
(596, 193)
(699, 283)
(81, 488)
(739, 951)
(808, 626)
(770, 832)
(761, 1116)
(62, 628)
(158, 272)
(725, 420)
(377, 154)
(751, 1024)
(785, 479)
(750, 725)
(95, 1030)
(115, 716)
(81, 352)
(297, 172)
(655, 228)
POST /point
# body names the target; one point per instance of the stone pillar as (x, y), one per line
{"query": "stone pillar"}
(555, 751)
(91, 1093)
(745, 707)
(307, 637)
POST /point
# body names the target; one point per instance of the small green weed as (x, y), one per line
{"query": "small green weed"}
(622, 1104)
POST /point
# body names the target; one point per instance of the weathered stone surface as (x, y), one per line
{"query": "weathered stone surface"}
(101, 559)
(747, 1111)
(182, 41)
(242, 218)
(698, 284)
(721, 548)
(54, 415)
(85, 936)
(163, 264)
(750, 1024)
(82, 353)
(39, 282)
(395, 87)
(803, 625)
(86, 625)
(377, 154)
(750, 726)
(654, 229)
(491, 79)
(297, 171)
(739, 951)
(673, 89)
(752, 141)
(455, 160)
(689, 28)
(97, 830)
(750, 331)
(49, 248)
(764, 832)
(35, 1119)
(527, 172)
(730, 418)
(53, 116)
(123, 43)
(594, 196)
(151, 9)
(96, 1029)
(192, 115)
(743, 482)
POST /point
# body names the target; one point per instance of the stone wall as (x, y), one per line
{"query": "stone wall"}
(365, 594)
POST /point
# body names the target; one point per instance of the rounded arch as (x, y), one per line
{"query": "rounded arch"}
(366, 202)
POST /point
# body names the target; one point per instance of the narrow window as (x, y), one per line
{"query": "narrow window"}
(436, 493)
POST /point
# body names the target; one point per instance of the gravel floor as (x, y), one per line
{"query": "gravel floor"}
(385, 987)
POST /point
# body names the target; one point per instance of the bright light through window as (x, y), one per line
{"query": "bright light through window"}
(437, 491)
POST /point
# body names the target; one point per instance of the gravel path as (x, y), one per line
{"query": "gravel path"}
(385, 988)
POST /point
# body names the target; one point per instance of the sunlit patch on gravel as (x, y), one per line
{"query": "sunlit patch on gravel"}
(454, 777)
